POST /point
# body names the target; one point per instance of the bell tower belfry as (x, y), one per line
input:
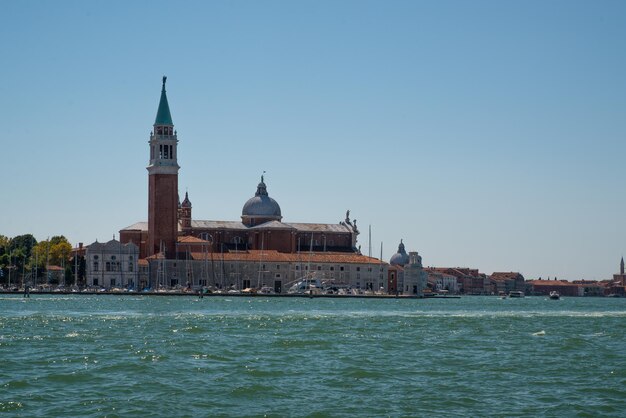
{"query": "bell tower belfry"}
(163, 182)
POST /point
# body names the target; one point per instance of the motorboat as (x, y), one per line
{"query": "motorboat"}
(554, 295)
(266, 290)
(516, 294)
(307, 285)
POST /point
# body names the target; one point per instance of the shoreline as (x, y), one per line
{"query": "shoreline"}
(249, 295)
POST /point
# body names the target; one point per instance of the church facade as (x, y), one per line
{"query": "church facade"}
(179, 247)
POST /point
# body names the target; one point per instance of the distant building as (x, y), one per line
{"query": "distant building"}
(267, 268)
(443, 282)
(505, 282)
(406, 273)
(415, 278)
(544, 287)
(470, 281)
(621, 277)
(590, 287)
(112, 264)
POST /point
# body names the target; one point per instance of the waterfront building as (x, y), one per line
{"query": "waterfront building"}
(407, 272)
(442, 281)
(267, 268)
(415, 278)
(112, 264)
(470, 281)
(505, 282)
(178, 247)
(563, 287)
(590, 287)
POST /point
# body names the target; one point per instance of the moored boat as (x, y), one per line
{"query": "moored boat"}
(554, 295)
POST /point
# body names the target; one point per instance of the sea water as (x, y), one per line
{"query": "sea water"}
(140, 356)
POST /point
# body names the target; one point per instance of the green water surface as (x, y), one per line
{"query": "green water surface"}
(141, 356)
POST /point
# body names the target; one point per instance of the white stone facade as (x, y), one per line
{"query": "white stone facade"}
(415, 278)
(112, 265)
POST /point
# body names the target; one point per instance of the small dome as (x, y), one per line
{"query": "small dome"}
(401, 258)
(261, 205)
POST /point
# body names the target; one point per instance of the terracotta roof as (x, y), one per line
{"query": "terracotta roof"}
(275, 256)
(505, 275)
(551, 283)
(190, 239)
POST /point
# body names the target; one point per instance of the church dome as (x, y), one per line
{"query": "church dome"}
(401, 258)
(261, 205)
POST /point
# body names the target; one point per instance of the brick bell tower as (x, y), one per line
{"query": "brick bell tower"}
(163, 183)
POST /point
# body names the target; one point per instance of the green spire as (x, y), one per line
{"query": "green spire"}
(163, 116)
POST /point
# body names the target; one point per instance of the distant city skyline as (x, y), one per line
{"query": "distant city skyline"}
(484, 134)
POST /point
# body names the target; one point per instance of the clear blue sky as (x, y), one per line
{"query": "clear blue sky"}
(488, 134)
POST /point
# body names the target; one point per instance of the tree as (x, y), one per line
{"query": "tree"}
(60, 253)
(24, 243)
(41, 252)
(4, 244)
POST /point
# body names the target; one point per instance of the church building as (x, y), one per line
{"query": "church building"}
(172, 237)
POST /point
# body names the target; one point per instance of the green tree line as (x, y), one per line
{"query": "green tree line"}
(26, 261)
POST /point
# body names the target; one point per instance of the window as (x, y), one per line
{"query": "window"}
(112, 257)
(95, 257)
(319, 267)
(332, 268)
(297, 267)
(277, 266)
(278, 275)
(112, 282)
(95, 266)
(107, 266)
(358, 269)
(341, 268)
(95, 282)
(130, 267)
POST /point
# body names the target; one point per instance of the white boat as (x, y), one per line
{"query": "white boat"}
(516, 294)
(266, 290)
(554, 295)
(307, 285)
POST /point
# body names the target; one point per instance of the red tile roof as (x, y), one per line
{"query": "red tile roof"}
(275, 256)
